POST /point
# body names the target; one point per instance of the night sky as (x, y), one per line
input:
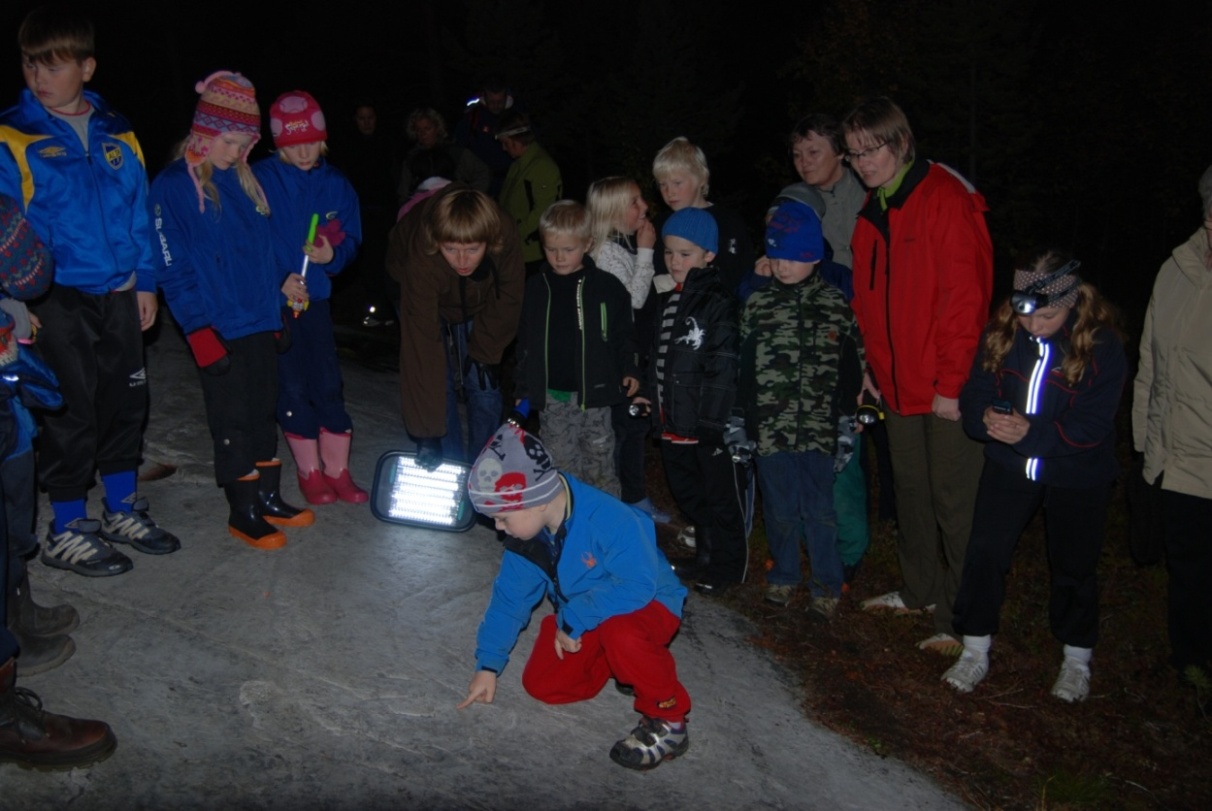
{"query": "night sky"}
(1081, 128)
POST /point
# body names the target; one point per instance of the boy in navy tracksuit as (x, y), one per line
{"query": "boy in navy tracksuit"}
(77, 169)
(617, 602)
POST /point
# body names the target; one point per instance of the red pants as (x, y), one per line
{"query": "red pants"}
(633, 648)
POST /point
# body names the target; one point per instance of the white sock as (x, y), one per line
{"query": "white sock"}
(977, 647)
(1079, 656)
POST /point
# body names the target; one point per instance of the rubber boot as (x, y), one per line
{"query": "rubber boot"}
(307, 461)
(334, 451)
(273, 508)
(245, 521)
(33, 738)
(694, 569)
(28, 617)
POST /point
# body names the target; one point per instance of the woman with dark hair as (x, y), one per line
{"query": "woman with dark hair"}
(1042, 396)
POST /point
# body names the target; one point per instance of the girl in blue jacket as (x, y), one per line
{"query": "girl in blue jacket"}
(219, 278)
(300, 183)
(1042, 395)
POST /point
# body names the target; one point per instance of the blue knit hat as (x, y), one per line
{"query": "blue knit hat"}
(694, 225)
(794, 232)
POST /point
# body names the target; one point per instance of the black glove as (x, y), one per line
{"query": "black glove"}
(429, 454)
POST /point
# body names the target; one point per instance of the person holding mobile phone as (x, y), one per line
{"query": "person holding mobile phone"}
(1042, 396)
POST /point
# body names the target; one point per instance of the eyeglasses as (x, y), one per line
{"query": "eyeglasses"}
(855, 157)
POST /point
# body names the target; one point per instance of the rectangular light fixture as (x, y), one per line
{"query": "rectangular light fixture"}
(405, 493)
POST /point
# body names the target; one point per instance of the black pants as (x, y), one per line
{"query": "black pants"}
(1188, 534)
(630, 440)
(1075, 521)
(240, 406)
(94, 345)
(706, 486)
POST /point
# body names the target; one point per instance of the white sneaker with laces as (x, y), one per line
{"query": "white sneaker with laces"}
(892, 602)
(968, 672)
(1073, 683)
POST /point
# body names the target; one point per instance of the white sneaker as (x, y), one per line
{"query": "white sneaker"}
(967, 672)
(1073, 683)
(687, 537)
(892, 602)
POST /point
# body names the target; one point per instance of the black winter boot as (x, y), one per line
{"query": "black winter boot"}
(273, 508)
(34, 739)
(245, 521)
(27, 617)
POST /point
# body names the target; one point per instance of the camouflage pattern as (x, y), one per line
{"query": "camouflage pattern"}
(581, 442)
(801, 366)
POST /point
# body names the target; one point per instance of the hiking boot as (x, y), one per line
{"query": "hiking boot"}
(650, 744)
(824, 606)
(892, 602)
(79, 549)
(137, 529)
(944, 644)
(778, 594)
(968, 672)
(35, 739)
(1073, 683)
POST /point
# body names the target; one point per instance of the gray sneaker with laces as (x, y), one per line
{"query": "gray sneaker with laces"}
(967, 672)
(137, 529)
(79, 548)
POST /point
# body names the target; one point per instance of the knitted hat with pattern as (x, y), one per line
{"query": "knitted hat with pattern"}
(296, 118)
(228, 103)
(513, 472)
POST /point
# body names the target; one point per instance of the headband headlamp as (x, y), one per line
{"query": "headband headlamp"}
(1034, 298)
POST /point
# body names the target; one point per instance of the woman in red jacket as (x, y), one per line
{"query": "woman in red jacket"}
(923, 276)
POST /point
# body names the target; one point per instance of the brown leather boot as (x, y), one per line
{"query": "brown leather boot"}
(35, 739)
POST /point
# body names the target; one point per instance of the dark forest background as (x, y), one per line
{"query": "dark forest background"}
(1080, 125)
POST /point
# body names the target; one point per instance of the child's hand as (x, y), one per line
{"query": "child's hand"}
(1008, 428)
(295, 288)
(868, 385)
(632, 385)
(763, 267)
(319, 252)
(148, 307)
(566, 644)
(483, 689)
(645, 235)
(946, 408)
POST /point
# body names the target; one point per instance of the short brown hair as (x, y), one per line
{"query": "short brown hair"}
(884, 121)
(56, 33)
(465, 215)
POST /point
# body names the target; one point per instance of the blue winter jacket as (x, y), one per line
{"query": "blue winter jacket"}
(604, 562)
(89, 208)
(293, 197)
(1071, 439)
(217, 266)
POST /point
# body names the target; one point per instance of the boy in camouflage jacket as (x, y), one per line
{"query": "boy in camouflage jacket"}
(801, 370)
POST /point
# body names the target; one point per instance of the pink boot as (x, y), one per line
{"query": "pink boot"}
(334, 450)
(312, 483)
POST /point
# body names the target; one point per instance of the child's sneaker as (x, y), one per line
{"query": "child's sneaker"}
(968, 672)
(943, 644)
(779, 594)
(1073, 683)
(650, 744)
(137, 529)
(892, 602)
(80, 549)
(687, 537)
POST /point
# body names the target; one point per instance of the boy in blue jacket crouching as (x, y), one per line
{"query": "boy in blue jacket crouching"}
(618, 602)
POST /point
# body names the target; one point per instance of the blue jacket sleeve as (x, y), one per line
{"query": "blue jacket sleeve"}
(519, 587)
(171, 199)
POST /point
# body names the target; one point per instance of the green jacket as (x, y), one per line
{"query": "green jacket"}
(532, 184)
